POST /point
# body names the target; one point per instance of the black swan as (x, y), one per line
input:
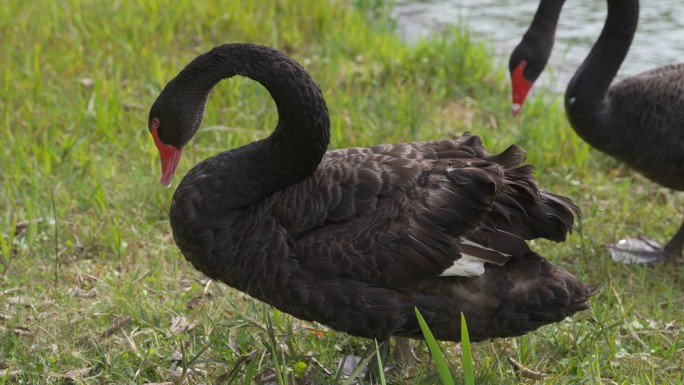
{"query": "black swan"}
(357, 238)
(639, 120)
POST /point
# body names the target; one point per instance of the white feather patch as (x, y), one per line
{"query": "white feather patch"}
(466, 266)
(479, 246)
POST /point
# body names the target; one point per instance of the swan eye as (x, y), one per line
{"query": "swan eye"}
(155, 123)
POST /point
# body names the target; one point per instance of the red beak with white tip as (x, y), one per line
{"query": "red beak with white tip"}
(169, 156)
(521, 87)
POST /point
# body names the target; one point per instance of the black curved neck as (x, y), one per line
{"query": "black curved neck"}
(546, 18)
(240, 177)
(537, 42)
(586, 92)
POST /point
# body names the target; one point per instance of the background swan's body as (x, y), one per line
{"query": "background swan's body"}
(356, 238)
(639, 120)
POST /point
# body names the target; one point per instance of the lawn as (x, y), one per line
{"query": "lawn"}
(92, 288)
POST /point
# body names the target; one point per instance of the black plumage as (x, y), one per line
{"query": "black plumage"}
(356, 238)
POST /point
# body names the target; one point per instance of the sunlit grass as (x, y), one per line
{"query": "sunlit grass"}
(91, 284)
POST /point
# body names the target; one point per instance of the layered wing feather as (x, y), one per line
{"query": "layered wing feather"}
(397, 214)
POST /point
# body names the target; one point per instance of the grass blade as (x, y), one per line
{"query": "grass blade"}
(466, 354)
(6, 247)
(435, 351)
(355, 373)
(273, 346)
(381, 368)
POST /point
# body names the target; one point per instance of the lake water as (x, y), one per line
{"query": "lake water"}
(659, 39)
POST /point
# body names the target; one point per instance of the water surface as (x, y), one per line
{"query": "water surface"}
(659, 39)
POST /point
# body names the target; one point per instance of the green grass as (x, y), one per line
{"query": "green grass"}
(466, 352)
(90, 288)
(435, 351)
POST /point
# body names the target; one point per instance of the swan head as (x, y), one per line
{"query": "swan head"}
(527, 62)
(173, 120)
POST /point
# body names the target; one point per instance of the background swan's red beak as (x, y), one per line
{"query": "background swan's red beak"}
(521, 87)
(169, 156)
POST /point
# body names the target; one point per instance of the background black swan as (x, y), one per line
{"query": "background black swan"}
(639, 120)
(356, 238)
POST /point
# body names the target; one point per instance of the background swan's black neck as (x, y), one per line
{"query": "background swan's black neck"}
(546, 17)
(537, 43)
(240, 177)
(584, 97)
